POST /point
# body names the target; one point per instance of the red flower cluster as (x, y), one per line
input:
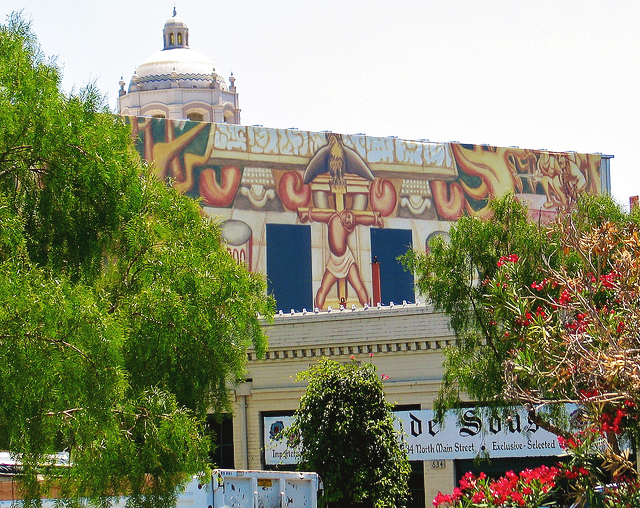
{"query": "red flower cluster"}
(505, 489)
(539, 286)
(524, 321)
(608, 279)
(469, 480)
(585, 395)
(529, 317)
(565, 297)
(447, 499)
(511, 258)
(575, 472)
(579, 324)
(545, 475)
(530, 486)
(570, 442)
(612, 421)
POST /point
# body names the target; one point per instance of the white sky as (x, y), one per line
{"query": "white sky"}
(553, 74)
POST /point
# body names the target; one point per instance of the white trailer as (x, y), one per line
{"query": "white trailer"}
(234, 488)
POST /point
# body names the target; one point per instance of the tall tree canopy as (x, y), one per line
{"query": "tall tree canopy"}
(577, 326)
(122, 317)
(546, 315)
(451, 275)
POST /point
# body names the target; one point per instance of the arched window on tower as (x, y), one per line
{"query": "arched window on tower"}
(195, 117)
(228, 116)
(171, 39)
(179, 39)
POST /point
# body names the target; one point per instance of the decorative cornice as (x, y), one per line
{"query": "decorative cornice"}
(297, 353)
(378, 330)
(172, 77)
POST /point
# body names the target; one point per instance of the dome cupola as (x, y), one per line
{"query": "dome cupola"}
(179, 82)
(177, 65)
(175, 33)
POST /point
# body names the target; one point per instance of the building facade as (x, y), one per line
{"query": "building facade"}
(324, 216)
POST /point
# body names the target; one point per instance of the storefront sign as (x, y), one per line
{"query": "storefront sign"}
(467, 437)
(473, 434)
(276, 449)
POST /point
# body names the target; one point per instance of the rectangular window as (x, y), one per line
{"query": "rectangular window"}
(289, 266)
(221, 432)
(396, 284)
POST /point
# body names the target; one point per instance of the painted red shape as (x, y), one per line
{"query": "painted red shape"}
(448, 199)
(383, 196)
(222, 194)
(293, 192)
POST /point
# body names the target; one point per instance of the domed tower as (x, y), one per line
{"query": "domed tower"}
(179, 82)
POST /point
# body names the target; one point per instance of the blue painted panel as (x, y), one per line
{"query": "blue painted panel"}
(289, 266)
(396, 284)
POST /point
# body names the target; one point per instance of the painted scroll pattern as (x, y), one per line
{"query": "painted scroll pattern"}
(449, 179)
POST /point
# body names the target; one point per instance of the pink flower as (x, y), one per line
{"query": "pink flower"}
(478, 497)
(511, 258)
(442, 499)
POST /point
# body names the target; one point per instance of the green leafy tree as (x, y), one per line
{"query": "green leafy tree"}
(455, 272)
(566, 332)
(345, 428)
(123, 319)
(452, 274)
(577, 327)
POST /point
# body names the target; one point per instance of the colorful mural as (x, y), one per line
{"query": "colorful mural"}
(344, 185)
